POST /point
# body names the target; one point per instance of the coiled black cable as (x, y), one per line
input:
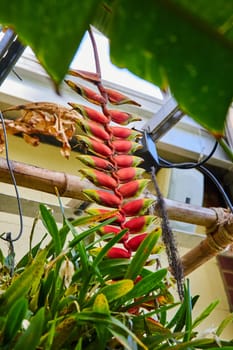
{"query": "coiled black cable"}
(162, 163)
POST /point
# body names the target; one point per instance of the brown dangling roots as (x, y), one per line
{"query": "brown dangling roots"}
(174, 260)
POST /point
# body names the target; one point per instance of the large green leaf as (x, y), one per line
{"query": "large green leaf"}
(52, 28)
(187, 46)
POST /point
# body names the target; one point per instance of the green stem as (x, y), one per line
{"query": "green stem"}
(226, 148)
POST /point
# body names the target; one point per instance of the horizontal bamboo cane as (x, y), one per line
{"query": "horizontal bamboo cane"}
(44, 180)
(71, 186)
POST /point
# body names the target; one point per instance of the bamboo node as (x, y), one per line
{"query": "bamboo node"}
(64, 185)
(222, 218)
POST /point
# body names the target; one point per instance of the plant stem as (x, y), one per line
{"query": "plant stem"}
(95, 50)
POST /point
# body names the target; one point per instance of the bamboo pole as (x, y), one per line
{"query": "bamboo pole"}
(71, 186)
(218, 221)
(218, 239)
(191, 214)
(44, 180)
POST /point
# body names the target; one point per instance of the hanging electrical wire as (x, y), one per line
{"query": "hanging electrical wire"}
(188, 165)
(8, 235)
(162, 163)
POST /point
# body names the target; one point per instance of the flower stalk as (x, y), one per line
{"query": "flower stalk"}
(111, 163)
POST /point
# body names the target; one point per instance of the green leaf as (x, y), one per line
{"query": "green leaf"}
(81, 236)
(179, 46)
(1, 257)
(23, 282)
(178, 319)
(79, 345)
(90, 219)
(53, 29)
(222, 348)
(50, 224)
(116, 268)
(117, 289)
(30, 255)
(31, 338)
(107, 246)
(56, 294)
(50, 335)
(205, 313)
(193, 344)
(80, 246)
(186, 46)
(188, 312)
(156, 340)
(147, 284)
(15, 317)
(101, 304)
(223, 324)
(123, 340)
(108, 321)
(46, 286)
(62, 332)
(143, 252)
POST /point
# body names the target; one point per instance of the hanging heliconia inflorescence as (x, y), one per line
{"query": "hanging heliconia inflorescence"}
(111, 164)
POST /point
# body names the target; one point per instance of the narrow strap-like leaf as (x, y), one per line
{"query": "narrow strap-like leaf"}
(23, 283)
(117, 289)
(31, 338)
(142, 254)
(147, 284)
(50, 224)
(205, 313)
(106, 248)
(188, 317)
(14, 319)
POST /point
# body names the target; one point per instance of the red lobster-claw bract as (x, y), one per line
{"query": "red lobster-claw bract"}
(111, 164)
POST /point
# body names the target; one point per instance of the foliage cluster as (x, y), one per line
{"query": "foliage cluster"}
(64, 297)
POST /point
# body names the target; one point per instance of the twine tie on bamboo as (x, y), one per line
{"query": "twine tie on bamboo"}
(219, 237)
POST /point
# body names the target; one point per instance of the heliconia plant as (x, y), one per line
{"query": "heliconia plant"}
(97, 293)
(111, 163)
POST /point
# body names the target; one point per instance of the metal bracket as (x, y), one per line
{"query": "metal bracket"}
(166, 117)
(10, 51)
